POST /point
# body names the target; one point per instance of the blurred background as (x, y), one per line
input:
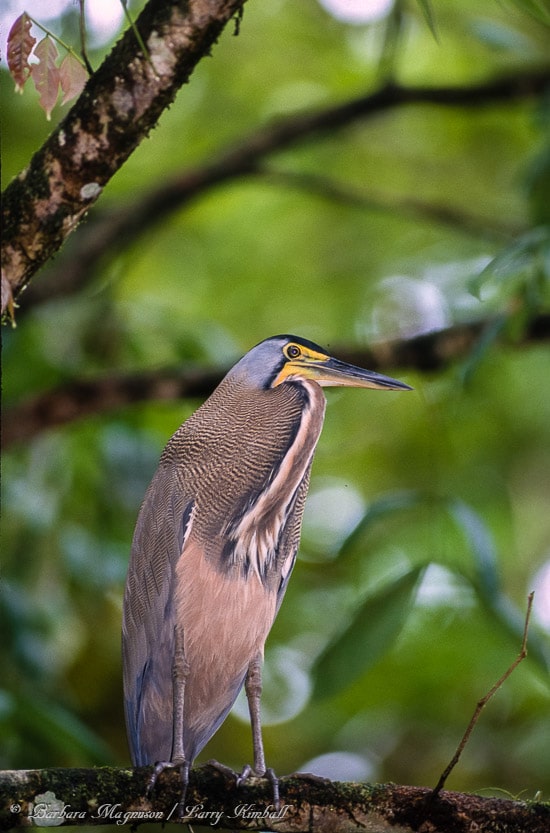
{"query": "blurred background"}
(428, 519)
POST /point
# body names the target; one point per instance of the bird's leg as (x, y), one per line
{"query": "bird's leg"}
(253, 689)
(180, 672)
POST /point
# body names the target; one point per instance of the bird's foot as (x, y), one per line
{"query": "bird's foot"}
(241, 778)
(159, 768)
(225, 770)
(269, 773)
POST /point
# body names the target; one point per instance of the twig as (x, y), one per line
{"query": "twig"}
(484, 700)
(67, 47)
(135, 30)
(109, 233)
(83, 46)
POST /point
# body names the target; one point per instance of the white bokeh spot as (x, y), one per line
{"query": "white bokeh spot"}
(357, 11)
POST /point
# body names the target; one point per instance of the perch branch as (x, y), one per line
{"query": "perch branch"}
(66, 797)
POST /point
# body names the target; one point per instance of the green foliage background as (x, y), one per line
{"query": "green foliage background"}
(428, 521)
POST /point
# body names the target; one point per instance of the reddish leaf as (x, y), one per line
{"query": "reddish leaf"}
(20, 44)
(72, 77)
(45, 74)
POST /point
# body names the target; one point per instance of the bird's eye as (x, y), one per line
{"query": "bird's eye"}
(293, 351)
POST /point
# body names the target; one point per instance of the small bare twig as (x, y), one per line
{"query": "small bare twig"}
(484, 700)
(135, 30)
(83, 37)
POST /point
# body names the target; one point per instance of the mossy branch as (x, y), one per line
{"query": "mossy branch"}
(108, 796)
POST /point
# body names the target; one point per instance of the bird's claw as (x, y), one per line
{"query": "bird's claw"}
(159, 768)
(269, 774)
(274, 781)
(244, 775)
(247, 772)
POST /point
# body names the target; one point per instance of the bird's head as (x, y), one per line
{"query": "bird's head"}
(287, 358)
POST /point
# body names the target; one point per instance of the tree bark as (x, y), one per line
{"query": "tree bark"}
(103, 796)
(119, 106)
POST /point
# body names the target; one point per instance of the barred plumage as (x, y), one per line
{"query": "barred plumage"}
(214, 546)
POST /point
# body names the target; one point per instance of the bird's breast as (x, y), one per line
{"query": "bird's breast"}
(225, 624)
(253, 531)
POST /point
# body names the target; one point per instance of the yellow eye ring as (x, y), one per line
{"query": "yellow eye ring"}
(292, 351)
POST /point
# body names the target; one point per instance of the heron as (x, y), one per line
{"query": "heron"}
(214, 546)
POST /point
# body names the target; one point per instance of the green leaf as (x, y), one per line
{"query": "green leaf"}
(53, 725)
(386, 505)
(488, 338)
(429, 16)
(392, 39)
(480, 542)
(487, 584)
(372, 630)
(539, 9)
(500, 36)
(522, 258)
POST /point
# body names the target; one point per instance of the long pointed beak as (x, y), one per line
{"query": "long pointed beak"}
(333, 372)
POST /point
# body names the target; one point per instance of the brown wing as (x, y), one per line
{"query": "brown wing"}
(149, 616)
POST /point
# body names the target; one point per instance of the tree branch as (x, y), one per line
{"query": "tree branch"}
(115, 230)
(487, 228)
(119, 106)
(101, 796)
(85, 397)
(485, 699)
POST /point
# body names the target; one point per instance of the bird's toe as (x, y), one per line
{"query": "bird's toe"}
(269, 774)
(159, 768)
(223, 769)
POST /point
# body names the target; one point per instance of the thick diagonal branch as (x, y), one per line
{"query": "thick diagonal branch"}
(119, 106)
